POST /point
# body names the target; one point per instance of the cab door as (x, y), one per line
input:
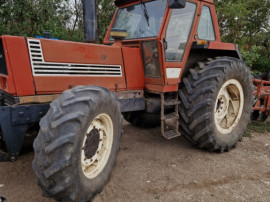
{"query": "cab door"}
(177, 36)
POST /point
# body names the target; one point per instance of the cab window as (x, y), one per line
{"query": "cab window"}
(178, 31)
(205, 27)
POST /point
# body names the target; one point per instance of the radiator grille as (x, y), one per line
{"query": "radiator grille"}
(3, 66)
(6, 99)
(40, 67)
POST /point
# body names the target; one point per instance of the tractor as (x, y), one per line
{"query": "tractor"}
(162, 63)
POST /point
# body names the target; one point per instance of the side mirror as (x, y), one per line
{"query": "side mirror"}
(177, 3)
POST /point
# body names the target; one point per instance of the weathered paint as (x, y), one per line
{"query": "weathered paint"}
(133, 68)
(19, 78)
(80, 53)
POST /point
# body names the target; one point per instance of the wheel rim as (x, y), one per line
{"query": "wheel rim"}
(97, 145)
(229, 106)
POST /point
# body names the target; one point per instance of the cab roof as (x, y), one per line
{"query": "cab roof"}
(123, 2)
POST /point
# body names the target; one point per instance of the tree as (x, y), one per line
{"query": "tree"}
(32, 17)
(247, 23)
(105, 11)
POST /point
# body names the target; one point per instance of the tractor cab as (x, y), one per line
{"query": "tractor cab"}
(143, 19)
(165, 32)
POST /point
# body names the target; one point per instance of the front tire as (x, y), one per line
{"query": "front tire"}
(216, 101)
(78, 142)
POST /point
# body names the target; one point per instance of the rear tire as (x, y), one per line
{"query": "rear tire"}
(77, 145)
(216, 102)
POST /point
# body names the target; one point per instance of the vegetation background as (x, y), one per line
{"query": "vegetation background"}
(244, 22)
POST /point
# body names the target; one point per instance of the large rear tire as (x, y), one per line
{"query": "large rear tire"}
(77, 145)
(216, 101)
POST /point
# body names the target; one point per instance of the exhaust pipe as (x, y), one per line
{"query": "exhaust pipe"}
(90, 20)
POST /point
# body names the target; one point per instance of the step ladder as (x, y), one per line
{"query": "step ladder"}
(168, 130)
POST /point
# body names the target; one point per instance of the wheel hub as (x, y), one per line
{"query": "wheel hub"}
(229, 106)
(222, 106)
(97, 146)
(91, 143)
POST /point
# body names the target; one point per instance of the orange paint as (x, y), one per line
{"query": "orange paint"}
(19, 79)
(79, 53)
(83, 53)
(133, 68)
(221, 46)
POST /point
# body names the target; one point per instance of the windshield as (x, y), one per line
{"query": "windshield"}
(133, 20)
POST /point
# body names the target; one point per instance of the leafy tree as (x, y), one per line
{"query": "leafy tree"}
(64, 18)
(106, 9)
(32, 17)
(247, 23)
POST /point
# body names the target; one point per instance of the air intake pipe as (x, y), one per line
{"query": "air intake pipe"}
(90, 20)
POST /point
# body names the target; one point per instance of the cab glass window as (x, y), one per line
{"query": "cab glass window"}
(139, 24)
(178, 32)
(205, 27)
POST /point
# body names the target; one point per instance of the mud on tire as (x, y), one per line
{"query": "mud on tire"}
(58, 147)
(200, 103)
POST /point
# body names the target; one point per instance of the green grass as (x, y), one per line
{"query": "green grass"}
(258, 127)
(157, 197)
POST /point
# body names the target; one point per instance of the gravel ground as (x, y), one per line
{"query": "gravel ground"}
(150, 168)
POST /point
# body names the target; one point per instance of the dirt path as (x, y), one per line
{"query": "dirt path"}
(151, 168)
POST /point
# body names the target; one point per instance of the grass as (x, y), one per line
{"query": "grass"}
(258, 127)
(157, 197)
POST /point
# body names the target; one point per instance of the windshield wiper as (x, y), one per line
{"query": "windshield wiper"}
(145, 12)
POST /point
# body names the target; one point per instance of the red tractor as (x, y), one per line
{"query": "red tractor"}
(162, 63)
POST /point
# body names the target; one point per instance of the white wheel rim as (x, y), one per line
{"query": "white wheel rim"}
(97, 146)
(229, 106)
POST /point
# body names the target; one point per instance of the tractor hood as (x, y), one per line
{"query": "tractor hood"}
(60, 65)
